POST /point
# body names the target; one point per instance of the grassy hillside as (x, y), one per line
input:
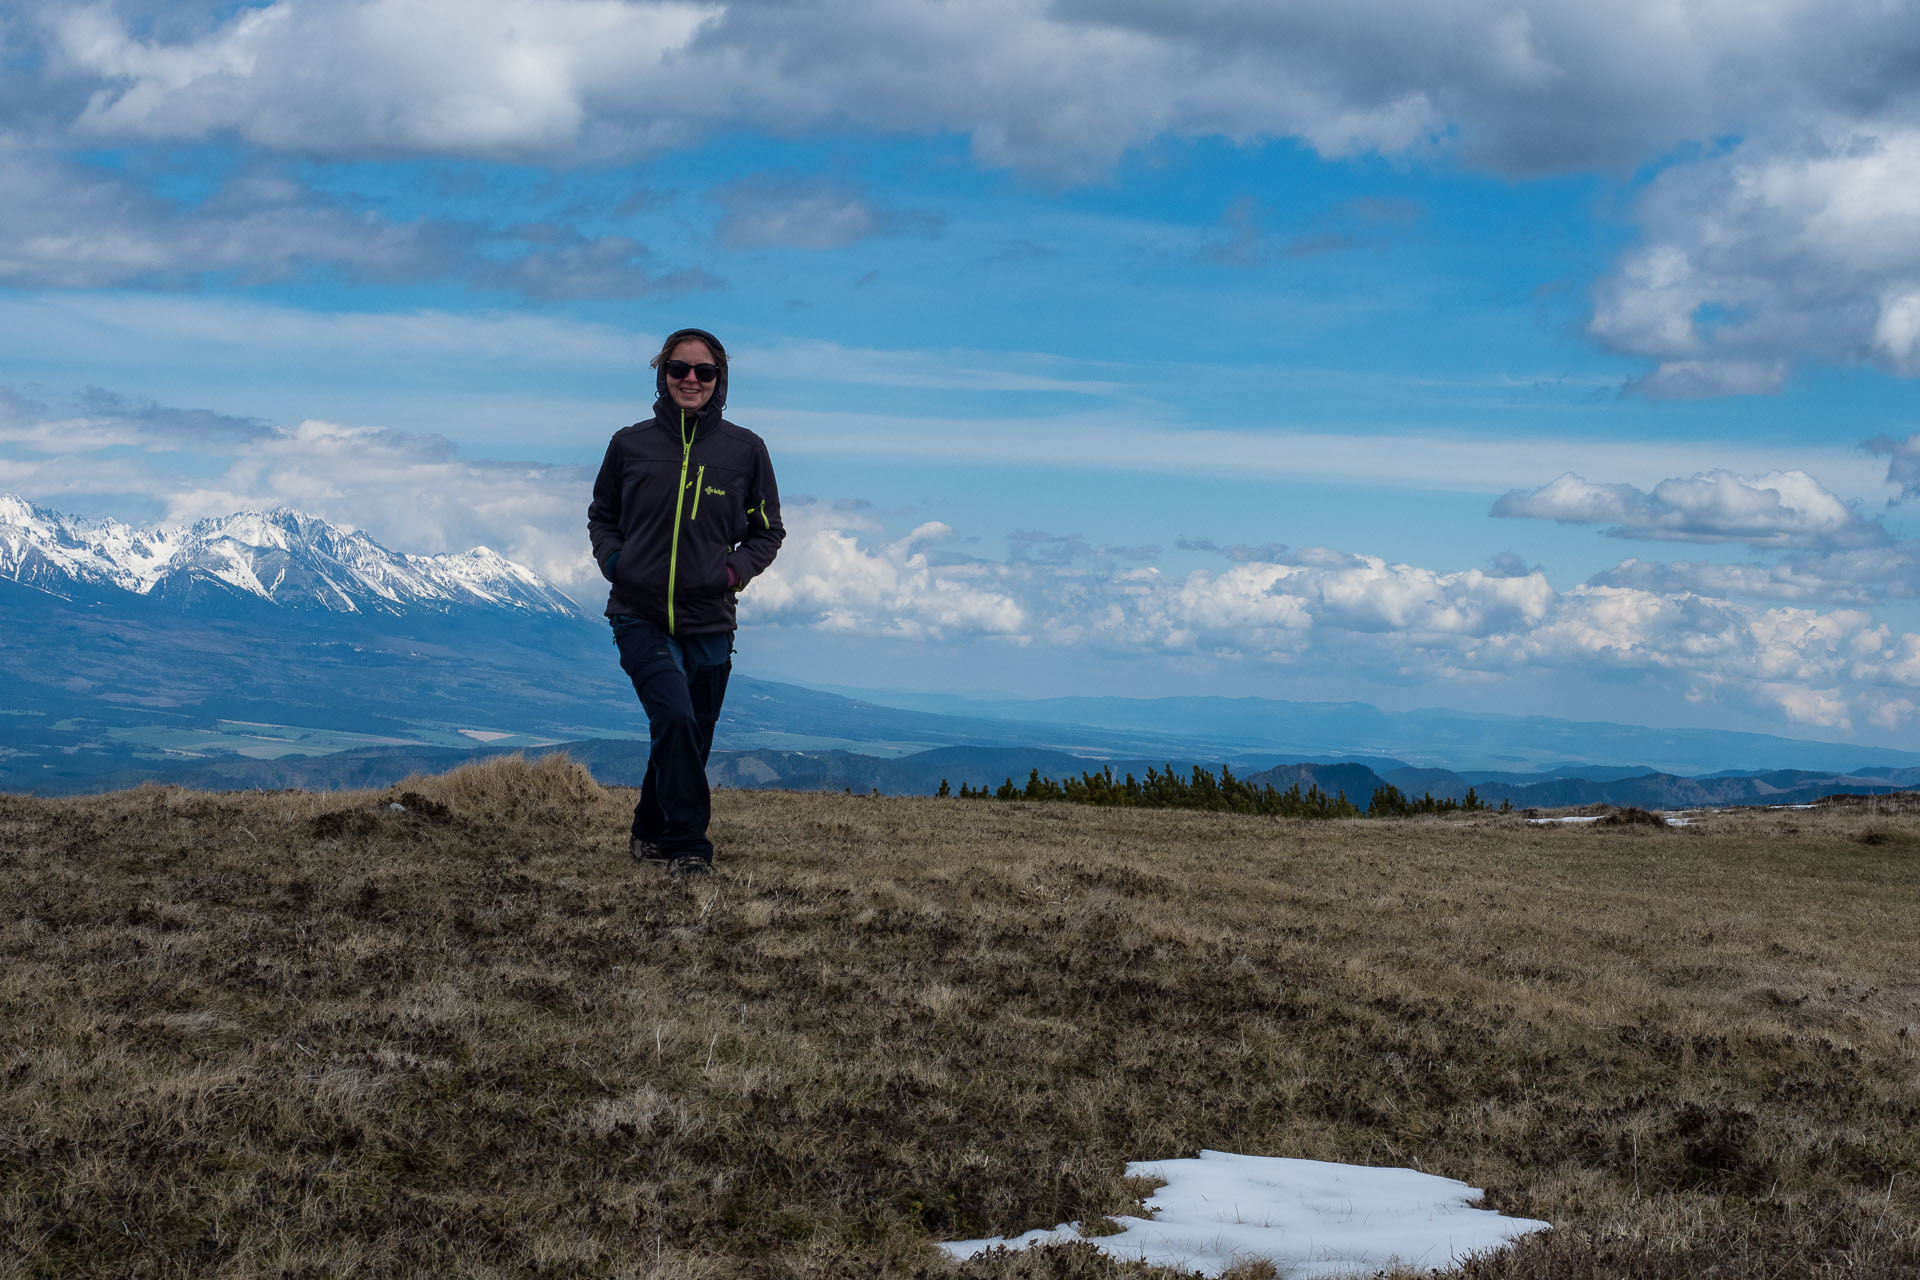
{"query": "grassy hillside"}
(315, 1035)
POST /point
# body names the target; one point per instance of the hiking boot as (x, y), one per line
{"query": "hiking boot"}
(648, 854)
(691, 864)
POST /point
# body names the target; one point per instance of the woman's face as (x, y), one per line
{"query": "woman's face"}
(689, 392)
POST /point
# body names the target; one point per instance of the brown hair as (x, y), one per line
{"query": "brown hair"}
(679, 336)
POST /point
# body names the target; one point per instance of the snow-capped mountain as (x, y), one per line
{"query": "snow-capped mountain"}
(291, 559)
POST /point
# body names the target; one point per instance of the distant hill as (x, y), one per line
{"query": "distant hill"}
(1355, 781)
(1496, 745)
(275, 649)
(622, 762)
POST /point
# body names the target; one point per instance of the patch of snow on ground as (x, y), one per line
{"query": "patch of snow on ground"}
(1311, 1219)
(1672, 822)
(485, 735)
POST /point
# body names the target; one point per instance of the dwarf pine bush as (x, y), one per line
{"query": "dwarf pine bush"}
(1168, 790)
(1390, 802)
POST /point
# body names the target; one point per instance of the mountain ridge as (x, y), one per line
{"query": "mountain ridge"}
(623, 762)
(1436, 737)
(281, 556)
(130, 648)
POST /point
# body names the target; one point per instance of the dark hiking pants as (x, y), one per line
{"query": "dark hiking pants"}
(681, 684)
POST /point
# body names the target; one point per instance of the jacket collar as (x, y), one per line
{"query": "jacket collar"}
(702, 421)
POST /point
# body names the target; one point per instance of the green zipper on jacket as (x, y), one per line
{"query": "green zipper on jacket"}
(673, 548)
(699, 483)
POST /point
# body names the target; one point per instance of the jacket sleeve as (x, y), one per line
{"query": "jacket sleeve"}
(765, 532)
(603, 513)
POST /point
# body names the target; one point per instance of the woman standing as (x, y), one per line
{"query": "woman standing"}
(685, 513)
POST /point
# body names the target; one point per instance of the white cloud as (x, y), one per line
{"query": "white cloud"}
(1413, 460)
(1891, 713)
(1783, 247)
(1811, 665)
(1315, 609)
(252, 329)
(1798, 241)
(1244, 241)
(796, 211)
(69, 226)
(442, 76)
(1281, 609)
(1699, 379)
(410, 492)
(948, 370)
(516, 78)
(66, 226)
(1328, 610)
(1538, 86)
(263, 330)
(1773, 582)
(1780, 509)
(826, 578)
(101, 420)
(1859, 576)
(1123, 430)
(1822, 708)
(1903, 461)
(570, 265)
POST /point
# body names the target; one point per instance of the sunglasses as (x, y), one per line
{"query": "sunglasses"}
(678, 369)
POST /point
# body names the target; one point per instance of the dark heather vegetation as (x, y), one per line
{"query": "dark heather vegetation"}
(1389, 802)
(297, 1034)
(1224, 794)
(1168, 790)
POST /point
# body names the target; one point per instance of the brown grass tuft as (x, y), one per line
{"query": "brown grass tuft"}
(511, 788)
(286, 1034)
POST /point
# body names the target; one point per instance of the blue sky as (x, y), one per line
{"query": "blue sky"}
(1510, 357)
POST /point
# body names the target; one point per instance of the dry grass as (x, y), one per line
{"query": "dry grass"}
(289, 1034)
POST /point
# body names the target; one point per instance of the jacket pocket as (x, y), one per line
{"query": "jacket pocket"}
(722, 499)
(711, 579)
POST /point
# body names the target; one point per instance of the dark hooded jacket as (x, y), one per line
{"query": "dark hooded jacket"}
(681, 498)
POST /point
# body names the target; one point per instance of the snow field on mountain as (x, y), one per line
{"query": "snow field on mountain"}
(283, 556)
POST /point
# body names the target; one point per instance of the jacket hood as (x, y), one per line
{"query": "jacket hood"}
(709, 413)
